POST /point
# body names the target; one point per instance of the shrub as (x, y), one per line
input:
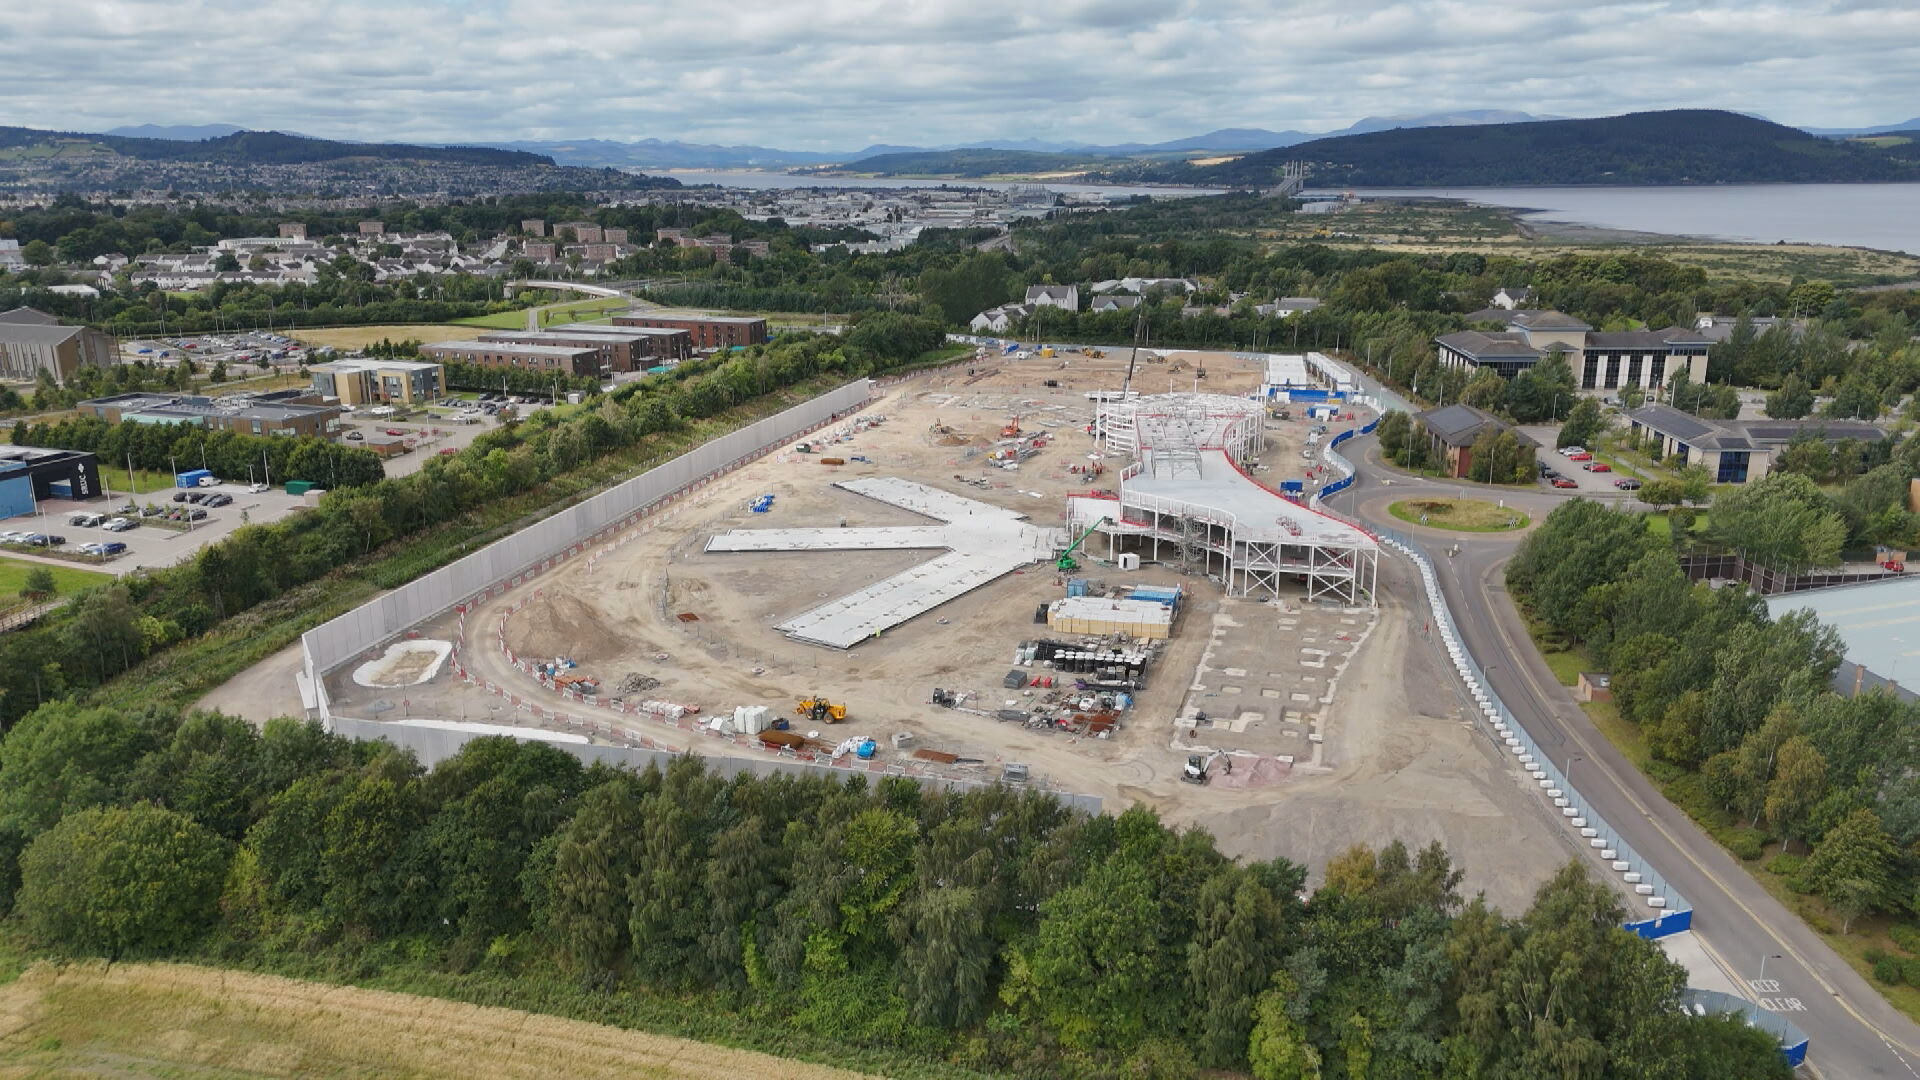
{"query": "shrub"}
(1887, 970)
(1907, 937)
(1747, 845)
(1788, 865)
(1910, 969)
(1873, 955)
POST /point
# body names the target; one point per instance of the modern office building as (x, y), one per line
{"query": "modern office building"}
(649, 346)
(1736, 451)
(707, 331)
(558, 359)
(1601, 360)
(286, 412)
(370, 381)
(29, 474)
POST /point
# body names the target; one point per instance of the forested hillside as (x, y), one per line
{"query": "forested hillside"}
(1681, 146)
(262, 148)
(990, 933)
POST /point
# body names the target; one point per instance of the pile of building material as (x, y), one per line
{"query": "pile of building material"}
(1101, 616)
(633, 682)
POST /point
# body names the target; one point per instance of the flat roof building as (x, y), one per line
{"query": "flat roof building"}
(559, 359)
(359, 381)
(656, 343)
(288, 412)
(1735, 451)
(1879, 627)
(31, 473)
(707, 331)
(622, 348)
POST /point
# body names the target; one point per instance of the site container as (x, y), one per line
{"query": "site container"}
(299, 487)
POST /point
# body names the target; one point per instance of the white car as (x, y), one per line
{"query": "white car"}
(208, 481)
(257, 487)
(1573, 450)
(120, 524)
(381, 410)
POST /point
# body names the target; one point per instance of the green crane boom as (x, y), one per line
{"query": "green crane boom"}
(1066, 563)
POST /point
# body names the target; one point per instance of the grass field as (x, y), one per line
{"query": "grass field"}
(1658, 525)
(359, 337)
(572, 311)
(1460, 515)
(183, 1021)
(13, 574)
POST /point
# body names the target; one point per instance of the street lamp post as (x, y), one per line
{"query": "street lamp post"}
(1764, 957)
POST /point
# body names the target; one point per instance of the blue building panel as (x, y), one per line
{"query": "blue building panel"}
(16, 495)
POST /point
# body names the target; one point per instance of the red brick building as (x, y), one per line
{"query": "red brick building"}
(564, 359)
(707, 331)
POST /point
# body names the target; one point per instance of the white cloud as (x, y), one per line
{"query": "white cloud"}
(841, 73)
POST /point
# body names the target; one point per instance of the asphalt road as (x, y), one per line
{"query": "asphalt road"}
(1852, 1030)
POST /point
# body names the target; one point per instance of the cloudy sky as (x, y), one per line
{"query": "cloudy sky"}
(839, 74)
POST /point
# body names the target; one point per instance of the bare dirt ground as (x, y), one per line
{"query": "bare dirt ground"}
(261, 692)
(1396, 758)
(183, 1021)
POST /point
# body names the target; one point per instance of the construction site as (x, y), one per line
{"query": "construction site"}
(1097, 574)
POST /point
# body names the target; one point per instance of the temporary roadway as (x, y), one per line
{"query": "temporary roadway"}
(983, 543)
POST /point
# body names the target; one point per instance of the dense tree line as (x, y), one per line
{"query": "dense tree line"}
(230, 454)
(991, 928)
(108, 630)
(1737, 700)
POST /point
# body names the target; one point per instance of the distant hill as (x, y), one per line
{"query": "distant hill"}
(973, 162)
(261, 148)
(1883, 129)
(184, 132)
(1686, 146)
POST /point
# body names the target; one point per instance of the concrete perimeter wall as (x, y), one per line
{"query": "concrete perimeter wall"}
(361, 633)
(379, 621)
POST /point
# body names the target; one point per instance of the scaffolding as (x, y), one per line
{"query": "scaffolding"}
(1187, 496)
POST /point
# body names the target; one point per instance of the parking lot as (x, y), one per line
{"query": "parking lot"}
(150, 545)
(1585, 481)
(257, 348)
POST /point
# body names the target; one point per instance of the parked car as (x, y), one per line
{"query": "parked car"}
(196, 497)
(86, 521)
(208, 481)
(1597, 466)
(181, 496)
(196, 514)
(110, 547)
(221, 499)
(38, 540)
(395, 431)
(256, 488)
(1572, 450)
(1627, 483)
(14, 536)
(1581, 455)
(121, 524)
(355, 436)
(152, 511)
(1563, 482)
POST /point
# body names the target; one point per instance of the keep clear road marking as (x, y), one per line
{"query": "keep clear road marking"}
(1526, 673)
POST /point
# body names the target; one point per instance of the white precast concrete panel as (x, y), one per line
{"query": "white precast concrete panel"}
(1256, 510)
(984, 542)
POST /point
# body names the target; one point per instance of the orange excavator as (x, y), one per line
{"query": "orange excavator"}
(1012, 430)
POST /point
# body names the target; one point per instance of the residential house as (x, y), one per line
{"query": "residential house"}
(10, 257)
(1512, 297)
(1114, 302)
(1286, 307)
(1719, 328)
(1736, 451)
(999, 320)
(1066, 297)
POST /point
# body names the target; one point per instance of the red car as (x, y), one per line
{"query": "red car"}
(1563, 482)
(395, 431)
(1591, 466)
(1581, 456)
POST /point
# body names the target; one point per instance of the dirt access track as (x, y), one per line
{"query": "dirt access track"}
(179, 1020)
(702, 624)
